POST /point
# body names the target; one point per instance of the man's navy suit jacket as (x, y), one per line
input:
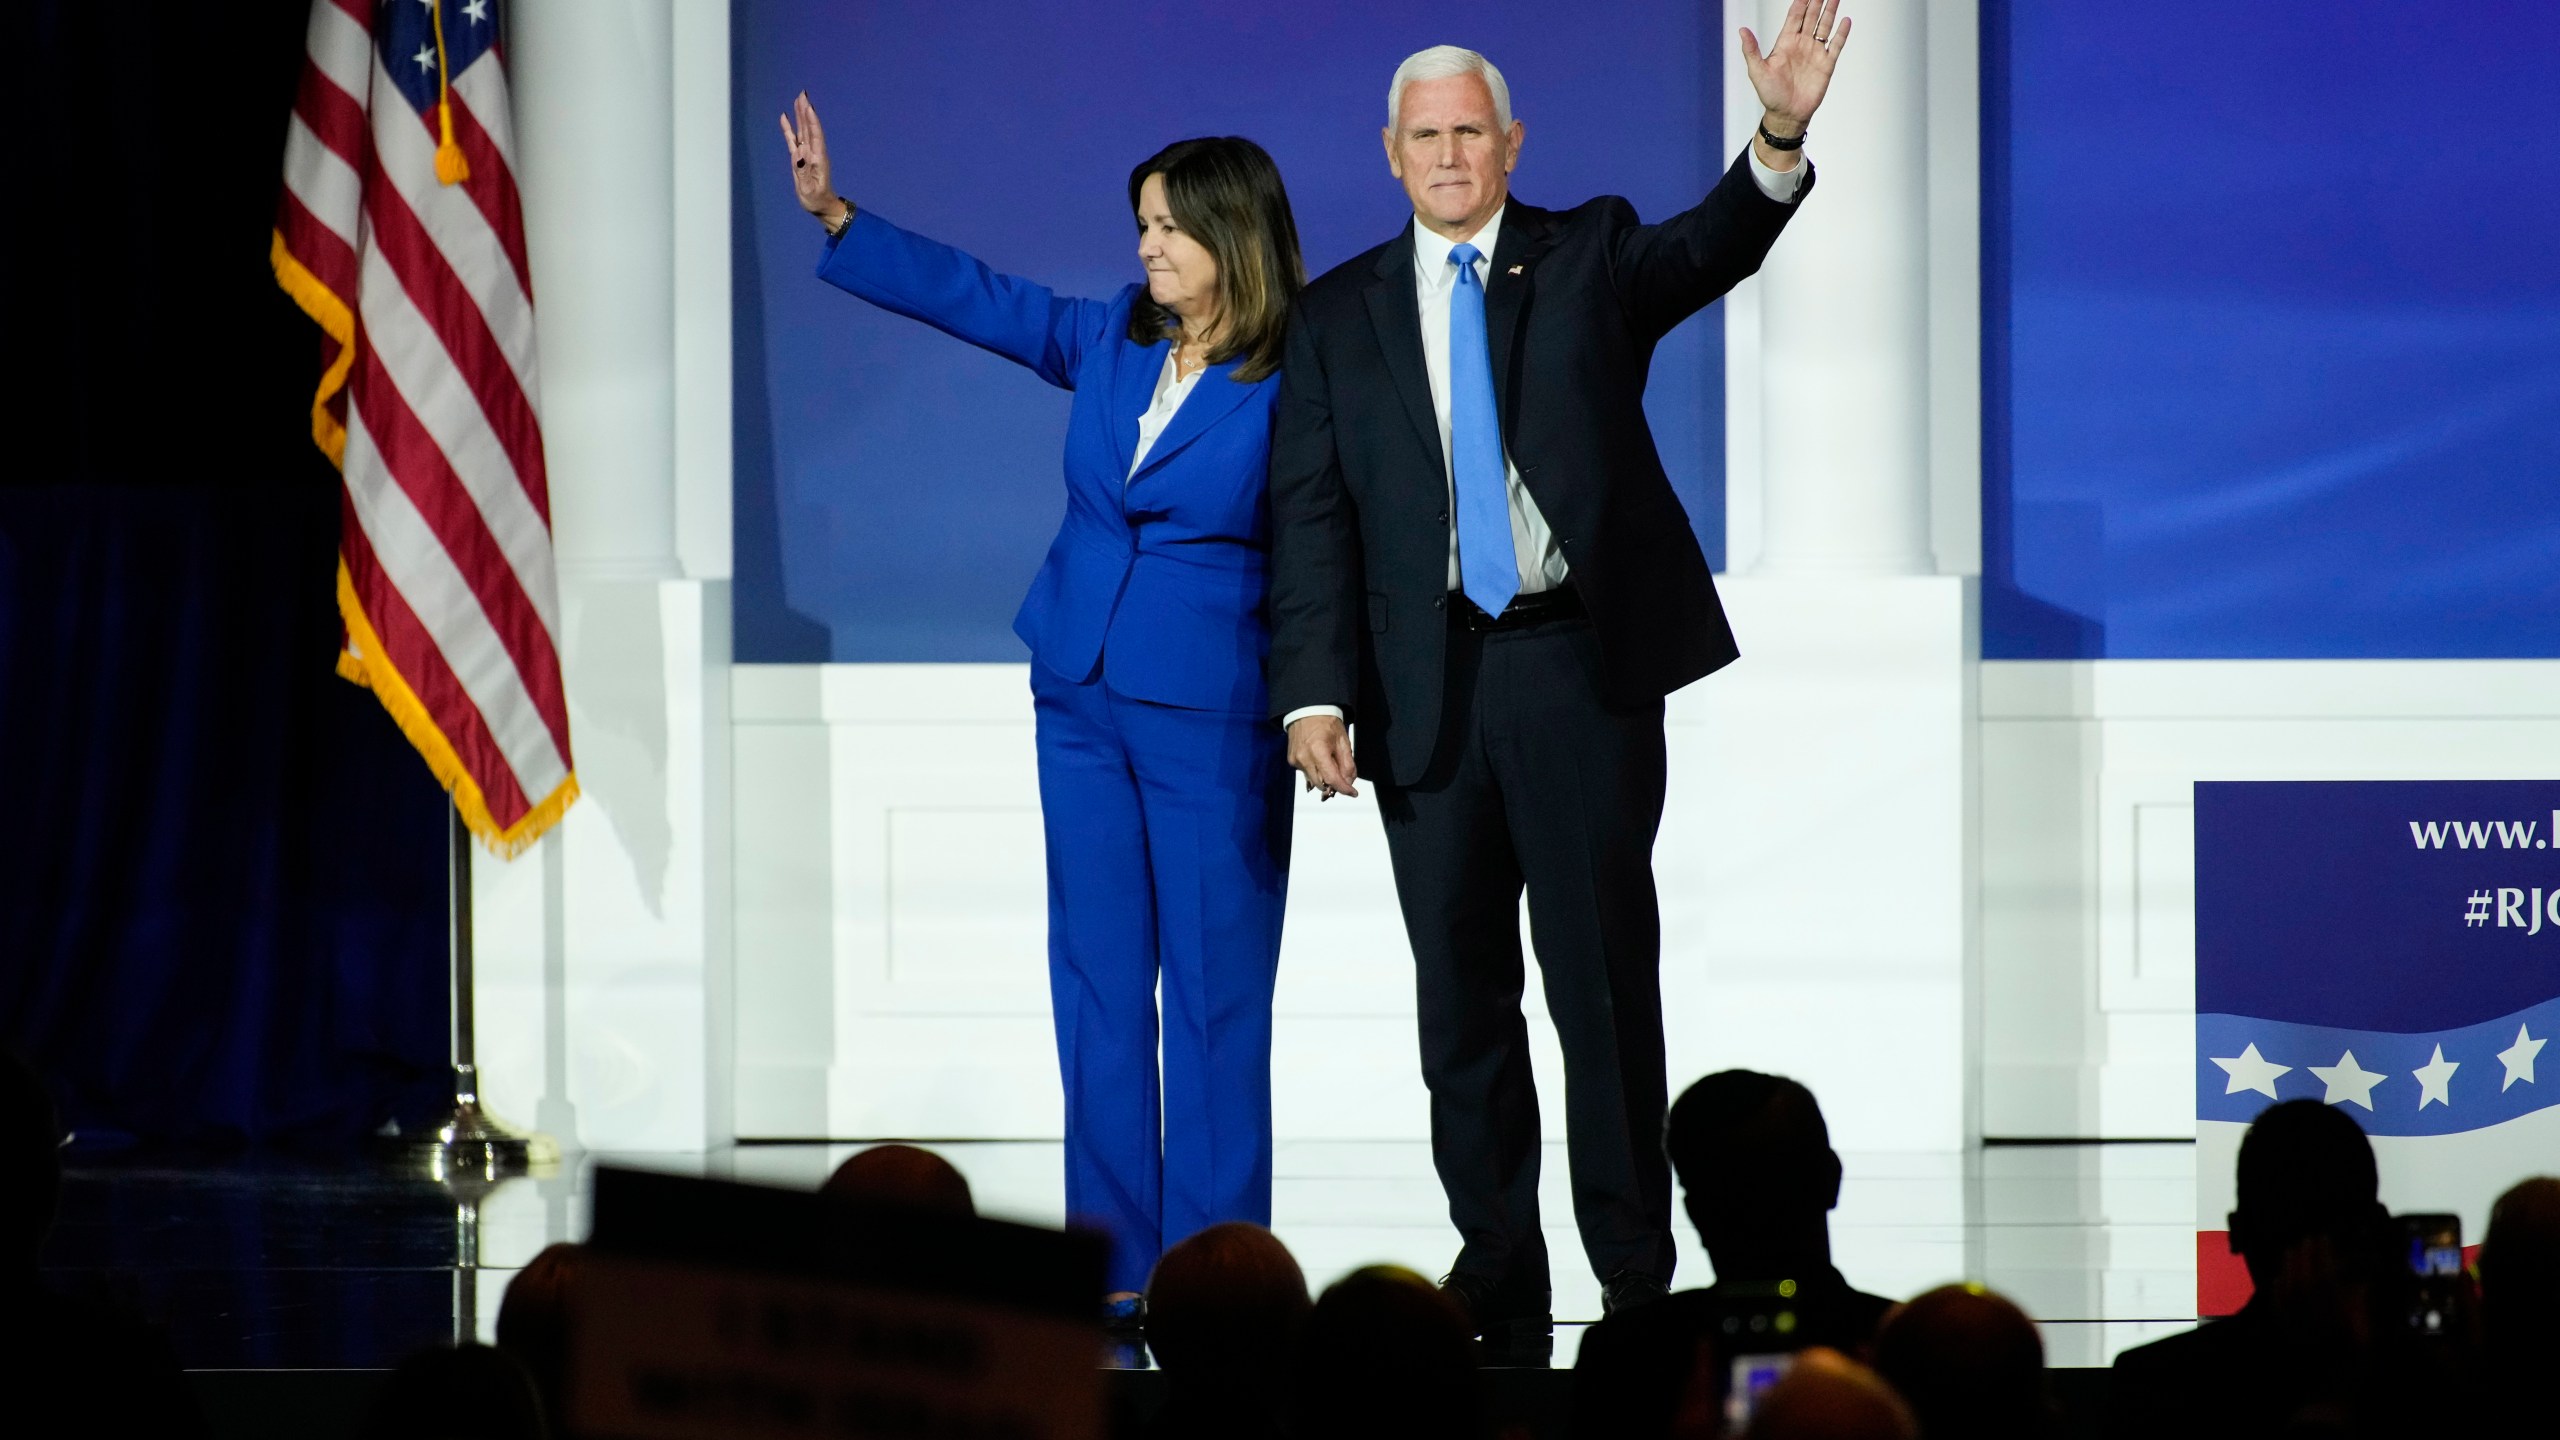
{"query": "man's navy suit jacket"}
(1575, 304)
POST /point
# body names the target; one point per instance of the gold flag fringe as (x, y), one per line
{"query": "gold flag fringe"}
(364, 663)
(338, 322)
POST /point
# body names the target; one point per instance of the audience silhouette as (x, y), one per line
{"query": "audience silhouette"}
(462, 1392)
(1969, 1363)
(902, 1175)
(1759, 1179)
(1386, 1355)
(2334, 1341)
(1828, 1396)
(2520, 1308)
(1223, 1313)
(533, 1324)
(67, 1364)
(2318, 1348)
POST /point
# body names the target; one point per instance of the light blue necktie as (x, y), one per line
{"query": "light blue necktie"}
(1488, 570)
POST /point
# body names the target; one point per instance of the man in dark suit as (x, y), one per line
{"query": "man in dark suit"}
(1478, 561)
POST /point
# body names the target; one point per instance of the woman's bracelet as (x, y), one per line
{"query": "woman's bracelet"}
(836, 229)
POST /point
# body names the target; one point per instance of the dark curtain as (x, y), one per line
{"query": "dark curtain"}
(222, 907)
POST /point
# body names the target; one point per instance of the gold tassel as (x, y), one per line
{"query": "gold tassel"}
(451, 167)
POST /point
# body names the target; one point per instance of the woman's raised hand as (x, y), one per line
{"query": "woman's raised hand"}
(811, 179)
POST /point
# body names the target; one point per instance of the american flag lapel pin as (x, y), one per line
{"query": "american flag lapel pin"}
(1516, 269)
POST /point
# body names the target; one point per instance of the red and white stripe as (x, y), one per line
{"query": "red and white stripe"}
(447, 548)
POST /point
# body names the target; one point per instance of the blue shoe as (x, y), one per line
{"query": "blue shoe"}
(1126, 1316)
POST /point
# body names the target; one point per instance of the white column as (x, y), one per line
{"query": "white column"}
(594, 89)
(1816, 859)
(1844, 325)
(703, 278)
(605, 981)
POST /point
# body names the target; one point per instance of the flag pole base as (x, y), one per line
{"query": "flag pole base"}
(469, 1152)
(470, 1145)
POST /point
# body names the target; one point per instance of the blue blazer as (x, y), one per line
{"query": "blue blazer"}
(1156, 581)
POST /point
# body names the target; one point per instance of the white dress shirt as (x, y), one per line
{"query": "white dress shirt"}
(1172, 388)
(1540, 562)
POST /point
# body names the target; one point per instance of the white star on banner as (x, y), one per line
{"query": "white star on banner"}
(2518, 1058)
(2435, 1081)
(477, 11)
(2250, 1070)
(426, 57)
(2347, 1081)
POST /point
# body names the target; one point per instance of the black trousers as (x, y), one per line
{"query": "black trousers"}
(1536, 782)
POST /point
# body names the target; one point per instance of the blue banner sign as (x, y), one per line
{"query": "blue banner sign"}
(2390, 948)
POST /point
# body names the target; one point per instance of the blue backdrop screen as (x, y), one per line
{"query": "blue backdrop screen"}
(2272, 346)
(895, 489)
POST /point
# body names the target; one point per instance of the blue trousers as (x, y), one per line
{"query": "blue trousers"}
(1168, 840)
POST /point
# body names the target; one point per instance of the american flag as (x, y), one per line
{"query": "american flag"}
(401, 233)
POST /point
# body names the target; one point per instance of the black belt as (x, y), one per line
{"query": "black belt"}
(1525, 610)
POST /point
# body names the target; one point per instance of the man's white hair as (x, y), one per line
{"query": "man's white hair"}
(1439, 63)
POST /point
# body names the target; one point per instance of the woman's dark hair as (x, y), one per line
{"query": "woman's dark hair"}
(1225, 193)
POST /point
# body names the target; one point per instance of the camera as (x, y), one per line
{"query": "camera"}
(1758, 1334)
(2438, 1292)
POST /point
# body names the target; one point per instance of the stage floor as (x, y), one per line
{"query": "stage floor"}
(271, 1263)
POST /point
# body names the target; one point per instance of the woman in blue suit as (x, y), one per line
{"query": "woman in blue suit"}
(1163, 785)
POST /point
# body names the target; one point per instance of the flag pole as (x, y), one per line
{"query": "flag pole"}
(469, 1145)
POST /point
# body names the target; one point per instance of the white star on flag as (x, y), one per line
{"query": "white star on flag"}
(2250, 1070)
(2435, 1081)
(2347, 1081)
(2518, 1058)
(476, 11)
(426, 57)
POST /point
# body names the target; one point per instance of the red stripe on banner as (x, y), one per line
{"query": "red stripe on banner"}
(493, 189)
(422, 471)
(330, 260)
(357, 10)
(2222, 1278)
(439, 295)
(412, 652)
(334, 115)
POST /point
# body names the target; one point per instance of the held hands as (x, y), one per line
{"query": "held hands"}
(1320, 748)
(1792, 78)
(811, 179)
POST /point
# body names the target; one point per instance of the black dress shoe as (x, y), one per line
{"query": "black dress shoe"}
(1627, 1289)
(1508, 1331)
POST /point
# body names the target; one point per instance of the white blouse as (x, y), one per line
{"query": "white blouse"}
(1171, 390)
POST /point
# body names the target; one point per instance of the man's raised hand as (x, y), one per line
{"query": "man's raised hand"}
(1793, 77)
(811, 179)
